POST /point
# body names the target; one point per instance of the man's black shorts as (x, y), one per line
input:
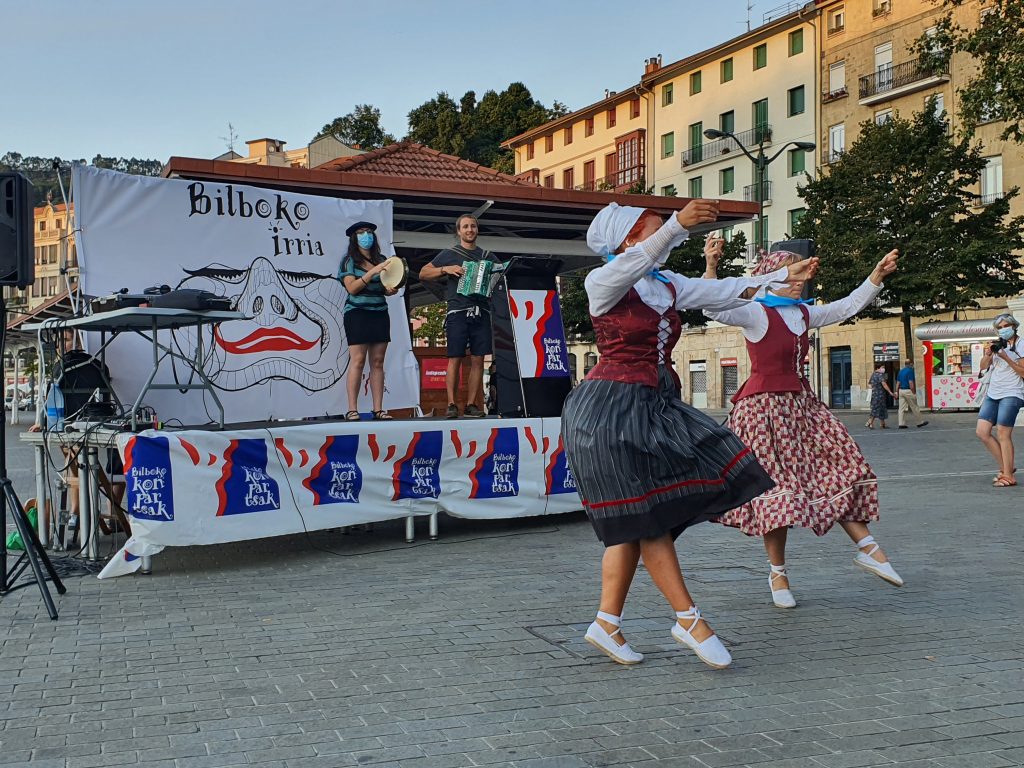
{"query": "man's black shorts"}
(464, 331)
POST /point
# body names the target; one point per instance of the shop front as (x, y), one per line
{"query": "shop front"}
(952, 362)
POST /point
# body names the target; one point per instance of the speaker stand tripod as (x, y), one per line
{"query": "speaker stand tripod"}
(33, 554)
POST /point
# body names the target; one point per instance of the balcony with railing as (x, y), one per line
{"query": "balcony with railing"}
(980, 201)
(758, 193)
(711, 151)
(839, 93)
(899, 80)
(616, 182)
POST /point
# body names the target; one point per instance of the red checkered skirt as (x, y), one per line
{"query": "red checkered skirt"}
(821, 477)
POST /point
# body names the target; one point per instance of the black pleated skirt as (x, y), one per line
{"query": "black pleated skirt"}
(647, 464)
(367, 326)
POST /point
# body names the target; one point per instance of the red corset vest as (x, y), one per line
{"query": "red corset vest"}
(776, 361)
(627, 340)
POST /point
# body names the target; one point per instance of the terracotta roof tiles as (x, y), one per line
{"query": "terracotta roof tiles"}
(409, 159)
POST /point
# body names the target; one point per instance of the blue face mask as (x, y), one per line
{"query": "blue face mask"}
(1006, 333)
(771, 300)
(365, 240)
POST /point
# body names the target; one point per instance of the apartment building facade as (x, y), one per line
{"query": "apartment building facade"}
(759, 88)
(604, 146)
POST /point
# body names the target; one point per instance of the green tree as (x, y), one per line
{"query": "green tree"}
(360, 126)
(687, 259)
(41, 171)
(996, 45)
(431, 329)
(129, 165)
(475, 129)
(908, 184)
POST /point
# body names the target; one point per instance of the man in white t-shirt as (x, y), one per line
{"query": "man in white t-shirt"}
(1005, 397)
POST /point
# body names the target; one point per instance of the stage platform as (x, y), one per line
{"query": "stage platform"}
(209, 486)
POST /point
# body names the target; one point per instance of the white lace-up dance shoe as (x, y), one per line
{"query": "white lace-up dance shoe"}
(604, 641)
(868, 563)
(782, 598)
(710, 651)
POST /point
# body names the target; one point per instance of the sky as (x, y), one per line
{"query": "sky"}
(156, 78)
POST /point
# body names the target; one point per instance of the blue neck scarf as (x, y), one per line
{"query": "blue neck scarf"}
(771, 300)
(655, 273)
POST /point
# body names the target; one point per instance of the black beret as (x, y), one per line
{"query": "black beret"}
(361, 225)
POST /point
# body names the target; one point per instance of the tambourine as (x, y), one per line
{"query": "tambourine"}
(394, 274)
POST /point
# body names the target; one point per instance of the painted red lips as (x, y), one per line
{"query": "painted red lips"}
(265, 340)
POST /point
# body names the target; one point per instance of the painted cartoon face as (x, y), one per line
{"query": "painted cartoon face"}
(294, 334)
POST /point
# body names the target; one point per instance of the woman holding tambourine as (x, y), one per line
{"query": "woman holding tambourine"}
(367, 324)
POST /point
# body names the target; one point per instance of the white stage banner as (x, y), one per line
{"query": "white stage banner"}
(276, 254)
(207, 487)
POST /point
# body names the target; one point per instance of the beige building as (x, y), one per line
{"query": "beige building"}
(54, 247)
(272, 152)
(604, 146)
(759, 87)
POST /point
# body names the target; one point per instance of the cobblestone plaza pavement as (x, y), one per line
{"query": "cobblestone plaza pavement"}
(469, 650)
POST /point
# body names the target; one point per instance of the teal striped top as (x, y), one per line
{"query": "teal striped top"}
(372, 297)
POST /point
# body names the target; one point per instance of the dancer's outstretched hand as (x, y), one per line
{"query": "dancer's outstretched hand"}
(885, 267)
(698, 212)
(802, 270)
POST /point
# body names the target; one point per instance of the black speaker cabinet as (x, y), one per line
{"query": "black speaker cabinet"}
(803, 248)
(17, 267)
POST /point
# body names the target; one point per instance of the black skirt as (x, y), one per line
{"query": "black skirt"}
(367, 326)
(647, 464)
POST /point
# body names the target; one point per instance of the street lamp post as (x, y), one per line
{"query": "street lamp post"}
(761, 163)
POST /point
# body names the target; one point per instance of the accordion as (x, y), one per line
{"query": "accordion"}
(476, 279)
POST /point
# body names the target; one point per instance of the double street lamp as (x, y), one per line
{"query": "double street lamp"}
(761, 163)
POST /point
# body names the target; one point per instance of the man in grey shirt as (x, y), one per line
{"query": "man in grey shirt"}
(468, 321)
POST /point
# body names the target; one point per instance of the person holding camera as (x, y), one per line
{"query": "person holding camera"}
(1004, 399)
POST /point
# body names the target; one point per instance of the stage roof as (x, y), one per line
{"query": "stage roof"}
(430, 190)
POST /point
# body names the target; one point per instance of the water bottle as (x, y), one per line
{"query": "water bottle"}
(55, 409)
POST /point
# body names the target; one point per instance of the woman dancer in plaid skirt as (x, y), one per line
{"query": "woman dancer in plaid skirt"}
(821, 477)
(647, 465)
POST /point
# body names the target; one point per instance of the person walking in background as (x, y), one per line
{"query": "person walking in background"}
(821, 477)
(1004, 399)
(648, 465)
(906, 395)
(879, 387)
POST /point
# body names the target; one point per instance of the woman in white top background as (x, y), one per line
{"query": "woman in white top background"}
(1004, 399)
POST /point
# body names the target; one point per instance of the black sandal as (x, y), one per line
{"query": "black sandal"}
(382, 416)
(352, 416)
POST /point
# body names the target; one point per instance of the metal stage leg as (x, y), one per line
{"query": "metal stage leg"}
(433, 527)
(410, 529)
(94, 503)
(147, 565)
(84, 518)
(42, 497)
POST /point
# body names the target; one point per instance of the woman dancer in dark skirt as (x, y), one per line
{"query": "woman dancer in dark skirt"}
(647, 465)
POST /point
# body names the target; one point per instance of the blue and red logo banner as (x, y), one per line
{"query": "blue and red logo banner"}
(549, 340)
(539, 335)
(417, 475)
(148, 480)
(336, 478)
(245, 485)
(557, 474)
(496, 473)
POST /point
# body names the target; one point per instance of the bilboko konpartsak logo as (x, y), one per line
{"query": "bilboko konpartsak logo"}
(245, 485)
(496, 473)
(147, 474)
(336, 478)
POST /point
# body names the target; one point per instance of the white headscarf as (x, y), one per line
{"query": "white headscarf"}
(610, 227)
